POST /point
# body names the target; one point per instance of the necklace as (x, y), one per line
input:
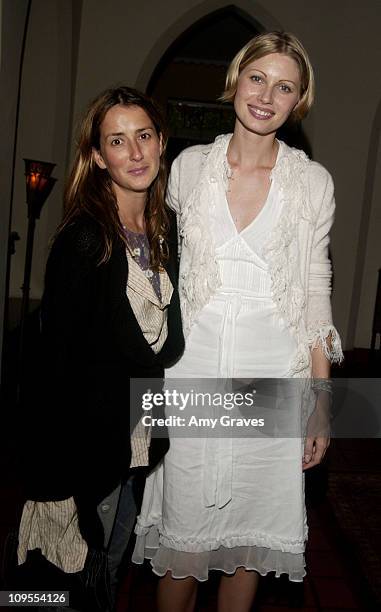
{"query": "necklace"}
(139, 248)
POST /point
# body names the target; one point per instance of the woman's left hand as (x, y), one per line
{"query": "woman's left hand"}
(318, 431)
(314, 451)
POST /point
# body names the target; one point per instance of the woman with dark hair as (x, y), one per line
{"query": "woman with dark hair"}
(255, 283)
(110, 312)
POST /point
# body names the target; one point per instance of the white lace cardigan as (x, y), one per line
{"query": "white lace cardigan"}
(296, 250)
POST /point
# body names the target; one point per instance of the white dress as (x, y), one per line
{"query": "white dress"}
(230, 502)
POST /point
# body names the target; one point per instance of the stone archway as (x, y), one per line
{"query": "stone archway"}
(253, 12)
(189, 75)
(189, 79)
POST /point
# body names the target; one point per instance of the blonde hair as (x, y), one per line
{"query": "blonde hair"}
(274, 42)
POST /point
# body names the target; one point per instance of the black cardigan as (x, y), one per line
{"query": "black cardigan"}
(78, 425)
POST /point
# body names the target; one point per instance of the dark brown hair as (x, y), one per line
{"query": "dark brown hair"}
(89, 188)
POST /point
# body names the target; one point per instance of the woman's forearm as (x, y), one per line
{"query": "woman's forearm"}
(321, 367)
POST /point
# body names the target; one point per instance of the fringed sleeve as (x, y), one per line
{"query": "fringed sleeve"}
(320, 329)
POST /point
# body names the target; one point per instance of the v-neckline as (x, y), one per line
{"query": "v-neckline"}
(260, 214)
(253, 221)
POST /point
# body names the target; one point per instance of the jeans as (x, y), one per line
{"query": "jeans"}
(118, 514)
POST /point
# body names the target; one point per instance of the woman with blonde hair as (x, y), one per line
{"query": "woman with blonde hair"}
(255, 282)
(110, 312)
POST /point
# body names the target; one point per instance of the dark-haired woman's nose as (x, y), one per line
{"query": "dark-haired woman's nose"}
(136, 153)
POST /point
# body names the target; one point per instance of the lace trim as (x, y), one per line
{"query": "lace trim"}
(193, 545)
(326, 336)
(199, 277)
(281, 250)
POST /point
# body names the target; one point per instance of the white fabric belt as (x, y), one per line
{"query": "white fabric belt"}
(226, 351)
(217, 484)
(233, 303)
(218, 454)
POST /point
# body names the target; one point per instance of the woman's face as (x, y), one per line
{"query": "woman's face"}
(130, 149)
(268, 90)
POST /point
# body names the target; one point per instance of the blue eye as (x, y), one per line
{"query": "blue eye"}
(256, 78)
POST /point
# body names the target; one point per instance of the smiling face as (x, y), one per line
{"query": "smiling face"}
(268, 90)
(129, 150)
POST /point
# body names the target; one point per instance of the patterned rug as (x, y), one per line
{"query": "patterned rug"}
(355, 499)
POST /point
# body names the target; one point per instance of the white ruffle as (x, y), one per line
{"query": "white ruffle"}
(248, 552)
(199, 274)
(280, 248)
(326, 335)
(281, 251)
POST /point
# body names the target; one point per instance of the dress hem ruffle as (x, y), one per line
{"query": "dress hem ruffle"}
(182, 564)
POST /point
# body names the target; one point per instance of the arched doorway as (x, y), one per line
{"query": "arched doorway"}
(190, 77)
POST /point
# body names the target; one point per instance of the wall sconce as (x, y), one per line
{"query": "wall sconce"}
(39, 184)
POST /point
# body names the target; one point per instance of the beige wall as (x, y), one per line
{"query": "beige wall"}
(1, 18)
(369, 235)
(43, 127)
(122, 43)
(12, 22)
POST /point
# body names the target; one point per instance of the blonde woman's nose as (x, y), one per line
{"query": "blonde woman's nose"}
(266, 95)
